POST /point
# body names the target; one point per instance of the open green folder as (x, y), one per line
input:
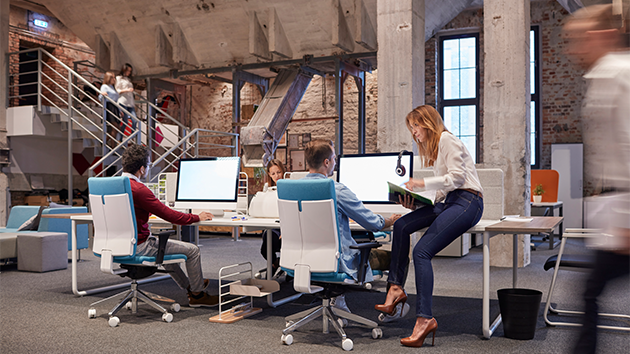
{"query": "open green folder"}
(395, 191)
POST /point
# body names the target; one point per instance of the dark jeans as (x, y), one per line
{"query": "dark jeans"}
(608, 266)
(127, 119)
(276, 243)
(446, 221)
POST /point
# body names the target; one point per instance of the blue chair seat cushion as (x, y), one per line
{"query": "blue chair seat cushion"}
(138, 260)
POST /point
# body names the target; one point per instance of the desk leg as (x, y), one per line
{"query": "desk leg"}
(514, 259)
(74, 258)
(270, 302)
(486, 328)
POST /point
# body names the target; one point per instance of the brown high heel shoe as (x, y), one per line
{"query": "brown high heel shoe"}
(390, 309)
(431, 326)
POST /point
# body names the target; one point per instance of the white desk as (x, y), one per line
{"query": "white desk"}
(553, 206)
(539, 224)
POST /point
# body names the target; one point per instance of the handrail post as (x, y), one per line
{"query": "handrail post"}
(197, 144)
(39, 79)
(70, 167)
(104, 103)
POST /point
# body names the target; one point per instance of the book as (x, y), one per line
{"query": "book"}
(395, 191)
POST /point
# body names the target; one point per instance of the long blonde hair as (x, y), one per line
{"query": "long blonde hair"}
(109, 78)
(427, 117)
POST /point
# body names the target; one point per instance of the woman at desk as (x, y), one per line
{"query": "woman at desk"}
(275, 172)
(458, 207)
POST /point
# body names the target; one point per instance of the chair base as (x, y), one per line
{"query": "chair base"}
(330, 315)
(130, 301)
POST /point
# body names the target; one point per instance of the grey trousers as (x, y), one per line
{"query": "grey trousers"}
(193, 261)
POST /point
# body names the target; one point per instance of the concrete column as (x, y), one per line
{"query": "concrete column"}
(506, 106)
(4, 49)
(400, 69)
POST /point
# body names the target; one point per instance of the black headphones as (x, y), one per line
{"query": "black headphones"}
(400, 169)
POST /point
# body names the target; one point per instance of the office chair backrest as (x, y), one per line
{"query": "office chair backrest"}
(115, 230)
(310, 233)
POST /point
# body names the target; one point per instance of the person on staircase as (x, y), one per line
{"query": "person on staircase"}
(124, 86)
(112, 112)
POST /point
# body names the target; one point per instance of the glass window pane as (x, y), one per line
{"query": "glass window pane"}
(470, 142)
(532, 46)
(468, 86)
(532, 116)
(451, 54)
(451, 84)
(451, 119)
(468, 120)
(468, 50)
(532, 77)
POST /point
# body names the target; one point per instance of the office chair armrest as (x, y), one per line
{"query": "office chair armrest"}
(162, 239)
(365, 249)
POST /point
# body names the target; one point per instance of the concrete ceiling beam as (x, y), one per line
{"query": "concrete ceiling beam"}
(366, 33)
(182, 53)
(102, 56)
(163, 49)
(278, 41)
(341, 35)
(118, 55)
(258, 44)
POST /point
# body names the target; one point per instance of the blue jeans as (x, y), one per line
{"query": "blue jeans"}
(446, 221)
(127, 118)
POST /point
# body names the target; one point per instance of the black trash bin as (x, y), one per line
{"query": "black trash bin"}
(519, 311)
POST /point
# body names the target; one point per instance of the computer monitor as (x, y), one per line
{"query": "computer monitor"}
(367, 176)
(208, 184)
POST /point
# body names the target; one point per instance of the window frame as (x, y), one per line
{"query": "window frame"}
(441, 102)
(537, 96)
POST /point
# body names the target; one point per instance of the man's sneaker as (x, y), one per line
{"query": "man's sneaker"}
(400, 311)
(339, 302)
(202, 300)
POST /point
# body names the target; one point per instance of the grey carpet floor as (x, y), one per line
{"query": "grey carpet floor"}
(39, 313)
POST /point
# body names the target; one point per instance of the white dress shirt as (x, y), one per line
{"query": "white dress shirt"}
(125, 99)
(454, 168)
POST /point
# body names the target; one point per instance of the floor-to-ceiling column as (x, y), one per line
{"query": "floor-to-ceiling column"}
(4, 49)
(506, 106)
(400, 69)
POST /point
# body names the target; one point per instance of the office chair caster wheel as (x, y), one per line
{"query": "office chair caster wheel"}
(367, 286)
(167, 317)
(347, 344)
(175, 307)
(113, 321)
(128, 305)
(288, 324)
(287, 339)
(92, 313)
(342, 322)
(377, 333)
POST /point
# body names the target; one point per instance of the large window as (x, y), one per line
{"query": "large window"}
(534, 77)
(458, 87)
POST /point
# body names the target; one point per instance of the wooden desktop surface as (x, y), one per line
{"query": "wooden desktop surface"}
(63, 216)
(544, 224)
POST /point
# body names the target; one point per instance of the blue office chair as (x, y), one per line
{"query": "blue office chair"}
(115, 238)
(311, 252)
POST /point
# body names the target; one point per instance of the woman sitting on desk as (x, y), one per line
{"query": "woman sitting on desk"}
(458, 207)
(275, 171)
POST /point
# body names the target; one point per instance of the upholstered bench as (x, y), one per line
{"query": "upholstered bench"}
(42, 251)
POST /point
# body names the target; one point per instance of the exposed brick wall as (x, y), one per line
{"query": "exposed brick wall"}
(58, 40)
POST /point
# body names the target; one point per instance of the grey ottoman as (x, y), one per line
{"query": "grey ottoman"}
(42, 251)
(8, 245)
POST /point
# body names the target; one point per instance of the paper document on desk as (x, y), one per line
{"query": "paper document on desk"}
(516, 218)
(396, 191)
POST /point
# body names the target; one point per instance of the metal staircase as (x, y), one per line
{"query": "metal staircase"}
(63, 96)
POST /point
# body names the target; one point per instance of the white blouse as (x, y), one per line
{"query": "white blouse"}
(125, 99)
(454, 168)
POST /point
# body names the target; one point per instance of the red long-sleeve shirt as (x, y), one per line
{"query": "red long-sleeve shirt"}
(145, 203)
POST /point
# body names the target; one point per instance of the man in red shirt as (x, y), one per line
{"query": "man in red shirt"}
(135, 162)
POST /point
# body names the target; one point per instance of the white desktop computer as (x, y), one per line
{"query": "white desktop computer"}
(208, 184)
(367, 176)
